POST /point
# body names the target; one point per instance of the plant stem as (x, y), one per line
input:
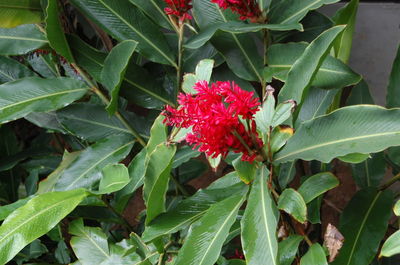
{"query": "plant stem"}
(390, 182)
(180, 55)
(128, 226)
(106, 101)
(266, 46)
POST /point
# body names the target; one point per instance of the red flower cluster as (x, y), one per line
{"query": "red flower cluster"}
(179, 8)
(221, 117)
(247, 9)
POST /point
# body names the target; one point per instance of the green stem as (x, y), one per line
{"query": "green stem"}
(390, 182)
(106, 101)
(180, 55)
(266, 46)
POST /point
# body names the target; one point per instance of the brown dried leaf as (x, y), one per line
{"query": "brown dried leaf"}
(333, 241)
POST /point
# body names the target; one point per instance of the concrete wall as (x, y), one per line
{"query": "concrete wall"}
(376, 38)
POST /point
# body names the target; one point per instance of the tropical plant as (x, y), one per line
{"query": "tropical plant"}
(104, 103)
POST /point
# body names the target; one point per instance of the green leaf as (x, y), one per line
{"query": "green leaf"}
(292, 11)
(55, 32)
(11, 70)
(293, 203)
(115, 177)
(360, 94)
(259, 223)
(19, 12)
(21, 39)
(370, 172)
(354, 129)
(287, 172)
(8, 209)
(91, 247)
(331, 74)
(191, 209)
(203, 72)
(183, 155)
(42, 212)
(393, 89)
(206, 237)
(92, 122)
(391, 246)
(114, 70)
(346, 15)
(264, 116)
(317, 185)
(239, 51)
(156, 179)
(137, 81)
(158, 134)
(287, 249)
(303, 71)
(314, 256)
(124, 21)
(282, 112)
(363, 224)
(234, 27)
(264, 5)
(154, 9)
(21, 97)
(316, 103)
(47, 185)
(245, 170)
(354, 158)
(85, 170)
(396, 208)
(137, 170)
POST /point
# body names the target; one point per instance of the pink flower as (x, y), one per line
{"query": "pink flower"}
(247, 9)
(179, 8)
(221, 117)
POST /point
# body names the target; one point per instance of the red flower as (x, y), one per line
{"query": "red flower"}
(179, 8)
(221, 117)
(247, 9)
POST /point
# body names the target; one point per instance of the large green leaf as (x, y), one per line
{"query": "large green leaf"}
(314, 256)
(244, 169)
(293, 203)
(21, 40)
(239, 51)
(287, 249)
(206, 237)
(391, 246)
(259, 223)
(91, 247)
(124, 21)
(85, 170)
(370, 172)
(154, 9)
(316, 103)
(114, 71)
(292, 11)
(303, 71)
(92, 122)
(393, 89)
(317, 185)
(8, 209)
(156, 179)
(55, 32)
(138, 83)
(34, 219)
(17, 12)
(355, 129)
(114, 178)
(11, 70)
(363, 224)
(345, 15)
(331, 74)
(189, 210)
(21, 97)
(234, 27)
(137, 170)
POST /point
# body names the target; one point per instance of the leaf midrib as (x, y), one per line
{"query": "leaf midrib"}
(41, 97)
(139, 33)
(22, 38)
(98, 162)
(362, 226)
(336, 142)
(219, 231)
(299, 12)
(322, 69)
